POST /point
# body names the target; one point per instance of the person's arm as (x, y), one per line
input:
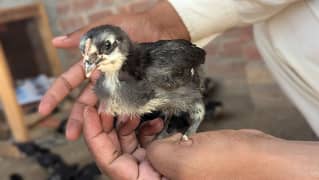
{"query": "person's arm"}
(230, 154)
(204, 18)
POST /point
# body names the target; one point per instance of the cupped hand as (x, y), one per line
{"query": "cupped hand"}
(141, 27)
(118, 152)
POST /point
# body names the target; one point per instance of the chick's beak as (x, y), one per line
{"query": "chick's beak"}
(88, 63)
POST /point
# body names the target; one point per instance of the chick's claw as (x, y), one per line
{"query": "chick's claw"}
(185, 138)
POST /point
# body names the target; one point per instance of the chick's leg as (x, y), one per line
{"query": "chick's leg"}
(197, 113)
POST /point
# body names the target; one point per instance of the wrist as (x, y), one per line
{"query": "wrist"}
(283, 159)
(167, 20)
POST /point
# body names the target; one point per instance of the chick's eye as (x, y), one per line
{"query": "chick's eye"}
(107, 45)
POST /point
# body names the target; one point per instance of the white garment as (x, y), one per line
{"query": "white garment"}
(286, 33)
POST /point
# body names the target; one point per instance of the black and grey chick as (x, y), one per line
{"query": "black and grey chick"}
(140, 78)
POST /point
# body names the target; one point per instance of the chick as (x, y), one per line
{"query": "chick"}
(141, 78)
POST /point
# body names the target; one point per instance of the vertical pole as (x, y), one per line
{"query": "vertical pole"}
(46, 36)
(11, 107)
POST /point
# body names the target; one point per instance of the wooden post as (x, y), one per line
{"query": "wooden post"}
(8, 98)
(46, 36)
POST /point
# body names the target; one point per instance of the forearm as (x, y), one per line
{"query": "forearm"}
(165, 18)
(289, 160)
(307, 156)
(204, 18)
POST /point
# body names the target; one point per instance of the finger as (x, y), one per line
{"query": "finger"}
(146, 140)
(109, 159)
(70, 40)
(97, 140)
(127, 135)
(74, 125)
(107, 121)
(166, 156)
(149, 130)
(92, 124)
(107, 125)
(61, 88)
(148, 172)
(129, 126)
(139, 154)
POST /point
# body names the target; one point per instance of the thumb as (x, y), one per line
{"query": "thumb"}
(70, 40)
(168, 155)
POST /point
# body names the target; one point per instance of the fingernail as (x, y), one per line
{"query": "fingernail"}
(153, 122)
(60, 38)
(72, 130)
(41, 108)
(123, 119)
(44, 108)
(119, 125)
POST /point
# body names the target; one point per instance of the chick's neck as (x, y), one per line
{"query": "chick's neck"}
(111, 82)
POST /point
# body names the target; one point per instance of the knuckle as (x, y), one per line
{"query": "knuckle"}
(65, 82)
(115, 155)
(52, 97)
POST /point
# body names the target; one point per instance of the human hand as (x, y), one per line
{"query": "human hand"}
(119, 154)
(147, 26)
(229, 154)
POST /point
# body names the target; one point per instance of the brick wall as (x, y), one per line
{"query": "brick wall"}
(73, 14)
(69, 15)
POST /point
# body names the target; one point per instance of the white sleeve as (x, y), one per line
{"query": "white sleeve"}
(206, 18)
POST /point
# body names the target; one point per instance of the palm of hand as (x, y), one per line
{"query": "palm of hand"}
(118, 153)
